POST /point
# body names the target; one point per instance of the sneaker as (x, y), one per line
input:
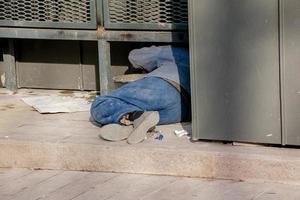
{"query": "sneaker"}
(115, 132)
(142, 125)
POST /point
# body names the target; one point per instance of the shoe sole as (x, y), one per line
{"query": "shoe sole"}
(141, 127)
(115, 132)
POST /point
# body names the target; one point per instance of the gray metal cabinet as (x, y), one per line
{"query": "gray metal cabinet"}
(290, 37)
(235, 70)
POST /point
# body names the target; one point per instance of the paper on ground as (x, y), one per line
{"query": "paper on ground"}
(181, 133)
(57, 104)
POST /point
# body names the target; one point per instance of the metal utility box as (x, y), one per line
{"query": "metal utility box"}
(77, 14)
(235, 70)
(146, 14)
(290, 45)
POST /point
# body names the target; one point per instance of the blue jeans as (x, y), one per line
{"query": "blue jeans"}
(147, 94)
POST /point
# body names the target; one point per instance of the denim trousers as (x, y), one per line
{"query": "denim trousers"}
(147, 94)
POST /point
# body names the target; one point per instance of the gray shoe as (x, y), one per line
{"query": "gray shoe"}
(115, 132)
(141, 126)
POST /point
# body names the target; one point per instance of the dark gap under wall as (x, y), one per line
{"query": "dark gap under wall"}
(65, 64)
(57, 64)
(73, 65)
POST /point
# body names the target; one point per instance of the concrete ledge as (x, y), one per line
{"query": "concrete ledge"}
(209, 163)
(70, 142)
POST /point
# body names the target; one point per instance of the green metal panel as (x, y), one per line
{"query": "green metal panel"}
(290, 35)
(51, 34)
(10, 65)
(99, 12)
(235, 70)
(145, 15)
(67, 14)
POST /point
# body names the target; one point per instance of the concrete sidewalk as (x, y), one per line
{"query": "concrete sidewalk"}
(70, 142)
(21, 184)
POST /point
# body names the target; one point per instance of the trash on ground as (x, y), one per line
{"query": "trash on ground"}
(246, 144)
(160, 137)
(181, 133)
(126, 121)
(153, 134)
(57, 104)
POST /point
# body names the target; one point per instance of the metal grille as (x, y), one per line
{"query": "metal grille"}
(148, 13)
(46, 11)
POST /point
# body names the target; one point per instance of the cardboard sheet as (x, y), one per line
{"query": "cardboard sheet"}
(57, 104)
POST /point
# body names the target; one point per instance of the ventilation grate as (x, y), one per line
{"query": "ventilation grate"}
(46, 11)
(160, 12)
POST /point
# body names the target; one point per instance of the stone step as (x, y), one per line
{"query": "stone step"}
(198, 160)
(70, 142)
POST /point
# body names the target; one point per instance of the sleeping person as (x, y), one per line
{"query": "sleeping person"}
(161, 97)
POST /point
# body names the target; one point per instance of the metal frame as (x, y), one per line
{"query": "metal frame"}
(51, 34)
(94, 35)
(10, 66)
(105, 37)
(289, 72)
(282, 73)
(91, 25)
(100, 15)
(101, 36)
(144, 36)
(106, 82)
(131, 26)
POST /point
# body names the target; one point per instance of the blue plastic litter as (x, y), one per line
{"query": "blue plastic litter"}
(160, 137)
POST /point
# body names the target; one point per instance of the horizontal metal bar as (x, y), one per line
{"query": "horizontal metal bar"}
(89, 25)
(145, 26)
(100, 34)
(52, 34)
(143, 36)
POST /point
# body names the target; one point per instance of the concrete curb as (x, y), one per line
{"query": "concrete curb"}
(246, 166)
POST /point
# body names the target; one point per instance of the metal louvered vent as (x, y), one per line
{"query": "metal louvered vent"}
(47, 13)
(146, 14)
